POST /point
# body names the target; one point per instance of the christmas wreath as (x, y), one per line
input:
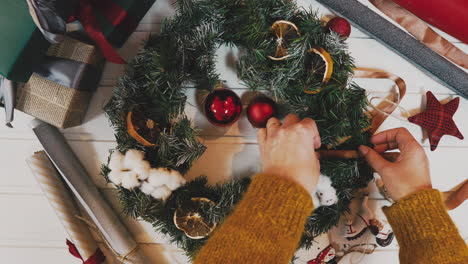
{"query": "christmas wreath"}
(287, 53)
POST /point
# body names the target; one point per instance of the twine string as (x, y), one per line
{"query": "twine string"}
(120, 257)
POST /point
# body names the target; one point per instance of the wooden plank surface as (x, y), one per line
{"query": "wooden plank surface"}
(31, 233)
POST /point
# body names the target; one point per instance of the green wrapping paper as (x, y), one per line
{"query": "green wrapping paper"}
(22, 45)
(118, 35)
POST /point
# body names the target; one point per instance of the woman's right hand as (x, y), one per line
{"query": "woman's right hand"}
(409, 173)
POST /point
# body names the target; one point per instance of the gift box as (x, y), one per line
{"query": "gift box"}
(120, 19)
(60, 90)
(22, 46)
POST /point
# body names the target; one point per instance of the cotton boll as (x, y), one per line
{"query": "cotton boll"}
(147, 188)
(133, 159)
(161, 193)
(325, 192)
(178, 176)
(176, 180)
(116, 161)
(143, 170)
(130, 180)
(115, 177)
(159, 177)
(173, 184)
(315, 200)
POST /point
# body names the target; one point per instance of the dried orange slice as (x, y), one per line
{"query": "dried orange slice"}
(142, 129)
(188, 218)
(284, 32)
(326, 68)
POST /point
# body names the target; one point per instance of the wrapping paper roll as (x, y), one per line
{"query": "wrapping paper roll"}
(76, 177)
(402, 43)
(449, 16)
(63, 204)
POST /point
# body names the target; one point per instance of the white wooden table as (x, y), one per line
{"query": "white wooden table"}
(31, 233)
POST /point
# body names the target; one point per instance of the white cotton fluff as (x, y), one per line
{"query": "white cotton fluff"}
(325, 195)
(130, 180)
(115, 177)
(133, 159)
(161, 193)
(143, 170)
(176, 180)
(147, 188)
(116, 161)
(159, 177)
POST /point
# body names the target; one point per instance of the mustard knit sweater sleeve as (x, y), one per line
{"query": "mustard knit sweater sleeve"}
(265, 227)
(425, 232)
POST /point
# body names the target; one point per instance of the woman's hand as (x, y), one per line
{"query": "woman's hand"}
(288, 150)
(409, 173)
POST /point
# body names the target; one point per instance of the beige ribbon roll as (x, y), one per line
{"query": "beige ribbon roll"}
(391, 102)
(422, 32)
(62, 202)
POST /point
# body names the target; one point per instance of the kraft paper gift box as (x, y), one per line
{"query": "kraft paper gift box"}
(60, 90)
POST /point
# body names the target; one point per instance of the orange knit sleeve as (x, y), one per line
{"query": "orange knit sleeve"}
(265, 227)
(425, 232)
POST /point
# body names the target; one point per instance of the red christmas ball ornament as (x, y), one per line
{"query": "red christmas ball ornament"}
(340, 26)
(260, 110)
(222, 107)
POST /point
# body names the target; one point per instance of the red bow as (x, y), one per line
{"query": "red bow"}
(85, 14)
(96, 258)
(321, 256)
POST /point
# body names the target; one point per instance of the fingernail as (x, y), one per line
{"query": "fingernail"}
(363, 149)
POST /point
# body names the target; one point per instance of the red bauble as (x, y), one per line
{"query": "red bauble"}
(222, 107)
(340, 26)
(260, 110)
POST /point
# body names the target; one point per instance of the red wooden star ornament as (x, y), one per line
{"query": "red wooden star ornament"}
(437, 119)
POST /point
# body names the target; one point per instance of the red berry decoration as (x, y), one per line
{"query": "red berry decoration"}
(260, 110)
(222, 107)
(340, 26)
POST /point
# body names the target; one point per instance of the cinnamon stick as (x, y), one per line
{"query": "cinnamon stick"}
(352, 154)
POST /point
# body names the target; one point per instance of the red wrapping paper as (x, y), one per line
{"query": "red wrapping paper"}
(450, 16)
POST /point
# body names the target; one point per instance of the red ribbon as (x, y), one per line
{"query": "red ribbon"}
(96, 258)
(116, 15)
(321, 256)
(85, 14)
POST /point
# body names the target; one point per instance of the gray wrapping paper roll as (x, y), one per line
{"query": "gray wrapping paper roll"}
(8, 96)
(88, 195)
(434, 65)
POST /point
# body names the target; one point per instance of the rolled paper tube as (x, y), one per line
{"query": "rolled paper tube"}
(422, 32)
(63, 203)
(8, 94)
(402, 43)
(449, 16)
(352, 154)
(76, 177)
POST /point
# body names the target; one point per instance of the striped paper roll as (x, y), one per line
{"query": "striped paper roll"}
(62, 202)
